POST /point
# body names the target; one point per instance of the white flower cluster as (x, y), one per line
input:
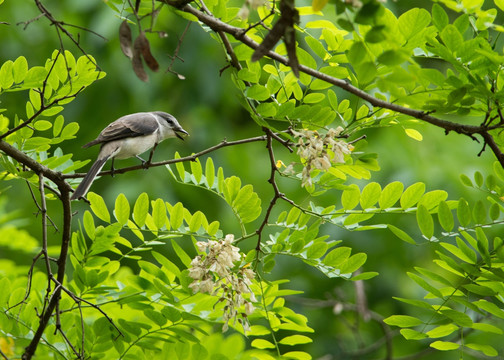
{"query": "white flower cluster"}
(216, 273)
(320, 151)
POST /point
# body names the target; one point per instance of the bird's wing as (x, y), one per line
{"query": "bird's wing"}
(127, 126)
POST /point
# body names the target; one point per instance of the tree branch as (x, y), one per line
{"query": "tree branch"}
(193, 157)
(239, 34)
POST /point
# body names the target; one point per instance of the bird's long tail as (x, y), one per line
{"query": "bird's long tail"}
(86, 182)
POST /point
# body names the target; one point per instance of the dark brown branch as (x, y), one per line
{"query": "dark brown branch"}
(223, 143)
(277, 194)
(3, 355)
(64, 189)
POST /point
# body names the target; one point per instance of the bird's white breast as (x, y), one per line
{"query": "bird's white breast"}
(129, 147)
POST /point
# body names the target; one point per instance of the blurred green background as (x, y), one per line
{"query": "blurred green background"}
(207, 104)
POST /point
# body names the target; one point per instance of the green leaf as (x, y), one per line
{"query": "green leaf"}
(444, 345)
(337, 256)
(402, 321)
(35, 76)
(463, 212)
(316, 46)
(458, 317)
(177, 216)
(365, 276)
(333, 100)
(155, 316)
(70, 130)
(439, 17)
(431, 199)
(412, 22)
(99, 207)
(316, 250)
(357, 53)
(209, 172)
(196, 221)
(393, 58)
(42, 125)
(58, 125)
(186, 260)
(353, 263)
(313, 98)
(418, 303)
(122, 209)
(457, 252)
(159, 213)
(89, 225)
(166, 264)
(451, 38)
(479, 212)
(401, 234)
(6, 75)
(258, 92)
(494, 211)
(141, 209)
(196, 170)
(478, 179)
(350, 197)
(465, 180)
(424, 284)
(370, 195)
(445, 216)
(410, 334)
(390, 194)
(247, 74)
(489, 307)
(297, 355)
(262, 344)
(213, 227)
(295, 340)
(135, 229)
(180, 167)
(20, 69)
(487, 328)
(425, 222)
(485, 349)
(412, 195)
(442, 331)
(267, 109)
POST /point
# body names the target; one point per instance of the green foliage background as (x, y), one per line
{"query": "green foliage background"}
(209, 106)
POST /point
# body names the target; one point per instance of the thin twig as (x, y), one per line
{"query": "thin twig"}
(78, 300)
(64, 189)
(277, 194)
(223, 143)
(175, 54)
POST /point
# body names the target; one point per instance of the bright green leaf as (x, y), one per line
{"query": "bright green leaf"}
(402, 321)
(122, 209)
(99, 207)
(141, 209)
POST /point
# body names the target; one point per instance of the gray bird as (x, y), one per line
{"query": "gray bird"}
(128, 136)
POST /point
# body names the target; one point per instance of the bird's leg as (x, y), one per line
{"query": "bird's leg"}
(144, 163)
(152, 153)
(112, 169)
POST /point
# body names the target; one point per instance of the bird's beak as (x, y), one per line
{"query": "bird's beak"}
(180, 131)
